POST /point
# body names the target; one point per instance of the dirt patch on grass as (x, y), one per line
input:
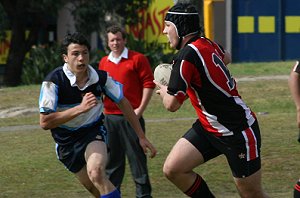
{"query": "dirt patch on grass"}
(17, 111)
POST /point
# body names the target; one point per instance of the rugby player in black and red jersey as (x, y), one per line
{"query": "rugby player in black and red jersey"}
(225, 124)
(294, 85)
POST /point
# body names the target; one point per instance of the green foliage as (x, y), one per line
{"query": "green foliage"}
(43, 59)
(95, 57)
(83, 13)
(4, 23)
(101, 14)
(130, 11)
(153, 51)
(40, 62)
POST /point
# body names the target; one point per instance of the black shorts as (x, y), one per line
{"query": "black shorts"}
(242, 149)
(72, 155)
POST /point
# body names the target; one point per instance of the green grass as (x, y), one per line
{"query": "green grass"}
(261, 68)
(29, 167)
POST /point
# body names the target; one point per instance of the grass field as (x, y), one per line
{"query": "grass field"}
(29, 167)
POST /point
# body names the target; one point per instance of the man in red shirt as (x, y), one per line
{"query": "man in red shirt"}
(133, 71)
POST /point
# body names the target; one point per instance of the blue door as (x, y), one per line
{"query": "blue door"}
(265, 30)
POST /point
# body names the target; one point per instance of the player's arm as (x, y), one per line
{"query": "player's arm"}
(132, 118)
(170, 102)
(147, 94)
(294, 85)
(145, 74)
(227, 57)
(55, 119)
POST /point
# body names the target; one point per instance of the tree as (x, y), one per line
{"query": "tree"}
(30, 16)
(106, 12)
(24, 15)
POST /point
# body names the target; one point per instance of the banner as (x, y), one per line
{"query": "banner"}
(151, 26)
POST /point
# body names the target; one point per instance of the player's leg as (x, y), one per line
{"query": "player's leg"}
(115, 168)
(180, 162)
(297, 189)
(96, 159)
(251, 186)
(72, 156)
(86, 182)
(243, 155)
(137, 160)
(183, 158)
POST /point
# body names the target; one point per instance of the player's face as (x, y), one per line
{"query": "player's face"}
(77, 58)
(116, 43)
(171, 33)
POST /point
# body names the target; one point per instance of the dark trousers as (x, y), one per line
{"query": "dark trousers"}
(123, 141)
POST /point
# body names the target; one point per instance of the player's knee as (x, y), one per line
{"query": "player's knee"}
(169, 171)
(251, 192)
(96, 174)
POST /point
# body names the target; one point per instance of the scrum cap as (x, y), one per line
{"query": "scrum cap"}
(185, 18)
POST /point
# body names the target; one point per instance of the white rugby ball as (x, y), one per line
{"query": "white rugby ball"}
(162, 73)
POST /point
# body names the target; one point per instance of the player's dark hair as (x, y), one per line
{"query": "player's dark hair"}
(76, 38)
(115, 29)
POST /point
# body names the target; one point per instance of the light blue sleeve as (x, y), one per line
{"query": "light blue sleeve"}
(48, 97)
(114, 89)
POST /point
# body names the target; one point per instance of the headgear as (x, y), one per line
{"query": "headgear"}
(185, 19)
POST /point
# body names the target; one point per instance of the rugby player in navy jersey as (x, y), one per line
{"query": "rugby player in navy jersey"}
(71, 107)
(225, 124)
(294, 85)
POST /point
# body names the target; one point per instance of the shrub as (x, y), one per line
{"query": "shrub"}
(41, 60)
(153, 51)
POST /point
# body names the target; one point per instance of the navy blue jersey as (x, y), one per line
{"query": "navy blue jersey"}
(59, 92)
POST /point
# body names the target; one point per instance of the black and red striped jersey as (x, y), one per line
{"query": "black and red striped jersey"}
(199, 73)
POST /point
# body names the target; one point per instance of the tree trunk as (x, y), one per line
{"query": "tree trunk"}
(16, 55)
(19, 44)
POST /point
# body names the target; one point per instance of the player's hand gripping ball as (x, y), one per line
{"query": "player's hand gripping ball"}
(162, 73)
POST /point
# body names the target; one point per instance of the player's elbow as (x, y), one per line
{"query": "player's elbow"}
(44, 126)
(171, 103)
(172, 107)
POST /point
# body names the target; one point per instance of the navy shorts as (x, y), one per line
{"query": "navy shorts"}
(72, 154)
(242, 149)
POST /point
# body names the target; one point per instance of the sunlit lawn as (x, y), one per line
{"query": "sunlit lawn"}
(29, 167)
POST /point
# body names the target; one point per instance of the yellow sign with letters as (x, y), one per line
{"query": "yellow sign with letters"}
(151, 26)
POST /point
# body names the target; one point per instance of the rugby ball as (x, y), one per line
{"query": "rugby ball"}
(162, 73)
